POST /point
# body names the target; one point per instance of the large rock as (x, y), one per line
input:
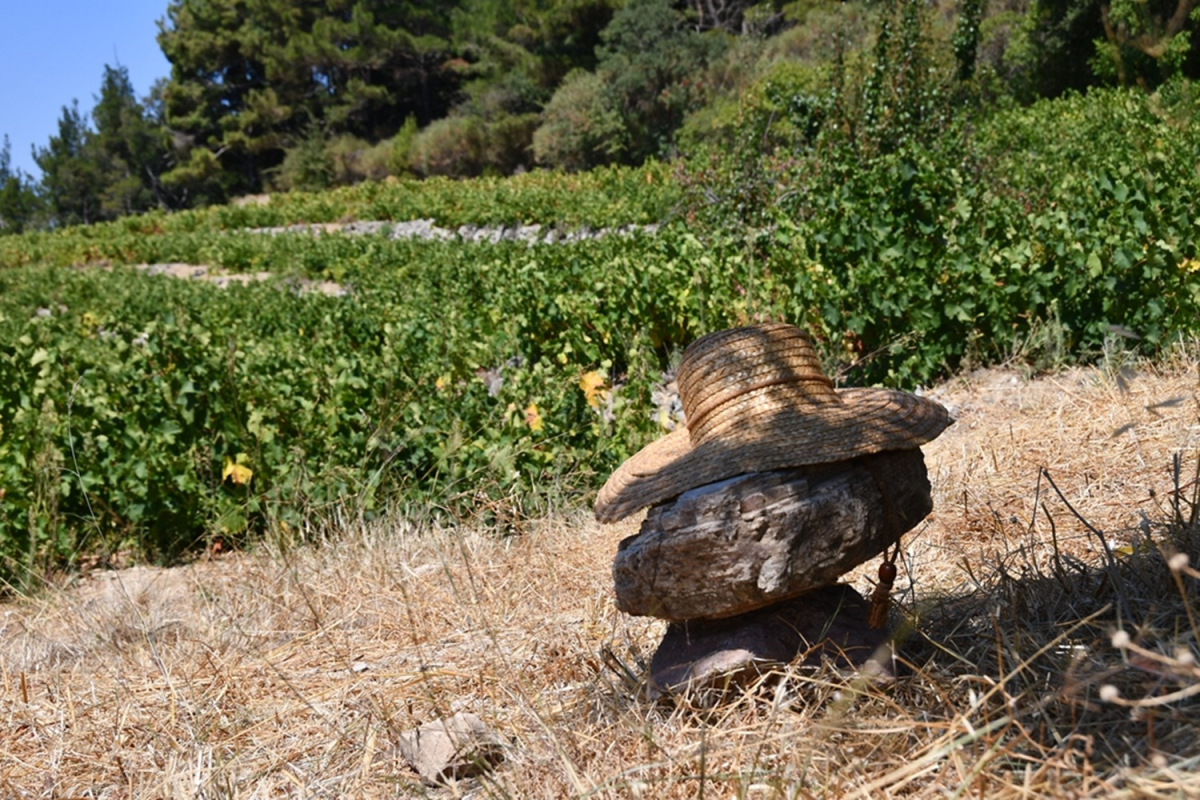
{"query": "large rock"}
(757, 539)
(829, 624)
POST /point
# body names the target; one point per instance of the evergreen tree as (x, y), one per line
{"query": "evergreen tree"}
(71, 181)
(647, 79)
(128, 148)
(251, 77)
(650, 59)
(18, 202)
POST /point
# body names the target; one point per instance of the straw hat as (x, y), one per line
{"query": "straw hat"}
(755, 399)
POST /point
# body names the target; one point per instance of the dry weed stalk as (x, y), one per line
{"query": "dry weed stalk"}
(290, 672)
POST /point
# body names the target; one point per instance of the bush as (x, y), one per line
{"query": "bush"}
(508, 144)
(651, 62)
(354, 160)
(581, 126)
(452, 146)
(309, 166)
(954, 246)
(401, 145)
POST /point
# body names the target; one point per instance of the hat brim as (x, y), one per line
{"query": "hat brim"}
(865, 421)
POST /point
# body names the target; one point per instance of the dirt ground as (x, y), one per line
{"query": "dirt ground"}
(292, 672)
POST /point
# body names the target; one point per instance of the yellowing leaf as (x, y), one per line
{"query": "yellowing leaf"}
(533, 418)
(442, 382)
(592, 386)
(237, 471)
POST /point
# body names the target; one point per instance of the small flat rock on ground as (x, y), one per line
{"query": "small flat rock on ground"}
(451, 749)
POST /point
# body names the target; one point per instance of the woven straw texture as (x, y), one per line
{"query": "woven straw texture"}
(755, 399)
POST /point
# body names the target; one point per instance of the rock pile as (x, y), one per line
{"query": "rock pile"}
(427, 229)
(777, 485)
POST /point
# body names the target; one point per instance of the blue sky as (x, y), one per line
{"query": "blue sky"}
(54, 50)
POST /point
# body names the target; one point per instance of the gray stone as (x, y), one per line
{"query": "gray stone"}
(451, 749)
(363, 228)
(528, 233)
(757, 539)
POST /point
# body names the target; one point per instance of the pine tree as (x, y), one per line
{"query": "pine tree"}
(18, 202)
(128, 148)
(252, 77)
(71, 181)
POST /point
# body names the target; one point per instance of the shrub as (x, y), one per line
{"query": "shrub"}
(400, 154)
(451, 146)
(508, 144)
(651, 62)
(581, 126)
(309, 166)
(354, 160)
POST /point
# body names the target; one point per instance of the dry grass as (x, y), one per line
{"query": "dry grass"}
(292, 672)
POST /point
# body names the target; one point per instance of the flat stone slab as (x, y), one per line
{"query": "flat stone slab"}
(829, 623)
(450, 749)
(754, 540)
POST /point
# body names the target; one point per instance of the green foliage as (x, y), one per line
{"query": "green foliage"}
(650, 60)
(1144, 42)
(564, 83)
(71, 181)
(607, 197)
(152, 412)
(965, 42)
(128, 148)
(912, 232)
(248, 76)
(399, 160)
(582, 127)
(308, 166)
(18, 201)
(355, 160)
(251, 77)
(112, 170)
(644, 85)
(452, 372)
(904, 94)
(449, 146)
(1048, 49)
(918, 250)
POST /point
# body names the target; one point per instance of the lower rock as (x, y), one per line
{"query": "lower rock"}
(828, 623)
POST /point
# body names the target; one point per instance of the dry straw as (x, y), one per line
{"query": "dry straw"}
(293, 672)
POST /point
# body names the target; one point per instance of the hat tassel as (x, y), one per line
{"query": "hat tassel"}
(881, 598)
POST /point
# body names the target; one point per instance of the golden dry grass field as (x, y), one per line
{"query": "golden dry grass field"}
(291, 672)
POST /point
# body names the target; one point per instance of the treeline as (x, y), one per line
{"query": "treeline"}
(269, 95)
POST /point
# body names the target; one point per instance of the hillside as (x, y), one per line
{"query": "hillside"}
(296, 94)
(284, 670)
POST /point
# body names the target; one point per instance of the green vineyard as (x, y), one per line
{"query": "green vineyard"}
(152, 414)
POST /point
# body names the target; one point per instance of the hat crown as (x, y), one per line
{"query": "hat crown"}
(769, 360)
(756, 400)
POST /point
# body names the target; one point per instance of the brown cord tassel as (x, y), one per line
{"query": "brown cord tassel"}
(882, 596)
